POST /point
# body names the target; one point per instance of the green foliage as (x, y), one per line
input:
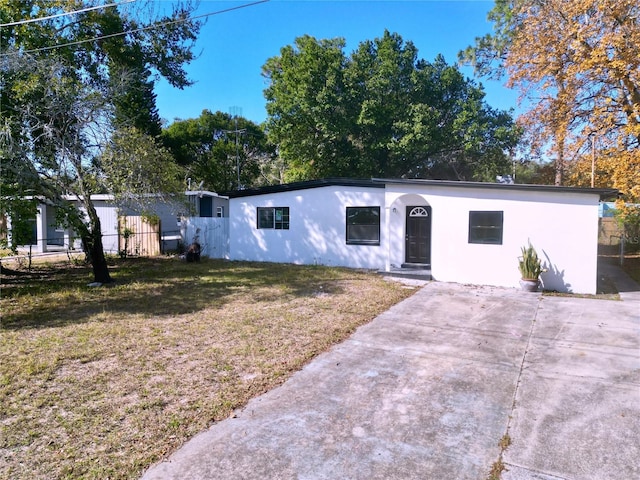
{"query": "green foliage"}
(380, 112)
(628, 218)
(534, 172)
(124, 65)
(22, 213)
(529, 263)
(206, 148)
(488, 54)
(139, 171)
(126, 233)
(151, 218)
(60, 105)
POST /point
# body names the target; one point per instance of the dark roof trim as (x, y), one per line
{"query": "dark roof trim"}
(602, 192)
(288, 187)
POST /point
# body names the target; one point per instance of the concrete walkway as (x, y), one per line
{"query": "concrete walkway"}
(429, 388)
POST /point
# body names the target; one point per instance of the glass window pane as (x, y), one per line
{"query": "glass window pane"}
(363, 225)
(282, 218)
(273, 217)
(486, 227)
(206, 207)
(265, 217)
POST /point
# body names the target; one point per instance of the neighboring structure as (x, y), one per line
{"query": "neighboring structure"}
(208, 225)
(613, 233)
(206, 204)
(50, 237)
(465, 232)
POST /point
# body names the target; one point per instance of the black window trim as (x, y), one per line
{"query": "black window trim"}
(277, 224)
(362, 242)
(474, 228)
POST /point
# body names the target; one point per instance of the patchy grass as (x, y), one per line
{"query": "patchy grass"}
(496, 470)
(103, 382)
(498, 466)
(504, 442)
(599, 296)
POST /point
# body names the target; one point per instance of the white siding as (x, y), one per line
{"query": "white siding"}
(108, 215)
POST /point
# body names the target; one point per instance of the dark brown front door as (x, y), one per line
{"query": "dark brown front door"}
(418, 237)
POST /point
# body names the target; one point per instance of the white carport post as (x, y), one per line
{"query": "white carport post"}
(387, 222)
(41, 228)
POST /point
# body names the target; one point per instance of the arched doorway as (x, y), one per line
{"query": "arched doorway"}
(418, 235)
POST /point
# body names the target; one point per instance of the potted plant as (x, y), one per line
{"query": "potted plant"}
(530, 269)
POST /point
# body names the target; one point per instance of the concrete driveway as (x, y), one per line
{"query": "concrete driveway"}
(429, 388)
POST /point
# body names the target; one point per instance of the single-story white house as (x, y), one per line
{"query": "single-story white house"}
(465, 232)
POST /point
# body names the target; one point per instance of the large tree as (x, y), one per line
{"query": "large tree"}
(382, 112)
(69, 82)
(577, 65)
(221, 151)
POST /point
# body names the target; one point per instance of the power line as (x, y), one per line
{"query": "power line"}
(150, 27)
(63, 14)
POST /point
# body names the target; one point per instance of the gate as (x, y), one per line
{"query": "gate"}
(138, 237)
(212, 233)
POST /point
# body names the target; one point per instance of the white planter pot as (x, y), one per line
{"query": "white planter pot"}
(529, 285)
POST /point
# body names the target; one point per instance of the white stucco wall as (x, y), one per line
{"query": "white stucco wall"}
(316, 232)
(563, 227)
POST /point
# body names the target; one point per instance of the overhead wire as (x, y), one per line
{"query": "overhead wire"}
(63, 14)
(141, 29)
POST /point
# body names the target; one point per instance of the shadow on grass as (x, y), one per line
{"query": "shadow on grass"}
(56, 296)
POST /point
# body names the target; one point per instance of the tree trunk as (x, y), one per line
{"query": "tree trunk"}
(559, 161)
(98, 260)
(93, 246)
(559, 170)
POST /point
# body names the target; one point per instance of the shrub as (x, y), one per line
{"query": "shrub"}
(529, 263)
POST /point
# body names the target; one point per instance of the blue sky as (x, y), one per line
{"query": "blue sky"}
(233, 46)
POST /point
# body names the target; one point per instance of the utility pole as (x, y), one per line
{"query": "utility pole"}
(235, 112)
(592, 137)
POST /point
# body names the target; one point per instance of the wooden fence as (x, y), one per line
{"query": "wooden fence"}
(138, 237)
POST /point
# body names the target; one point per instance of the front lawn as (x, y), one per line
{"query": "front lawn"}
(103, 382)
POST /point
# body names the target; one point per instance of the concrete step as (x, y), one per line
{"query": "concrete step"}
(413, 273)
(417, 266)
